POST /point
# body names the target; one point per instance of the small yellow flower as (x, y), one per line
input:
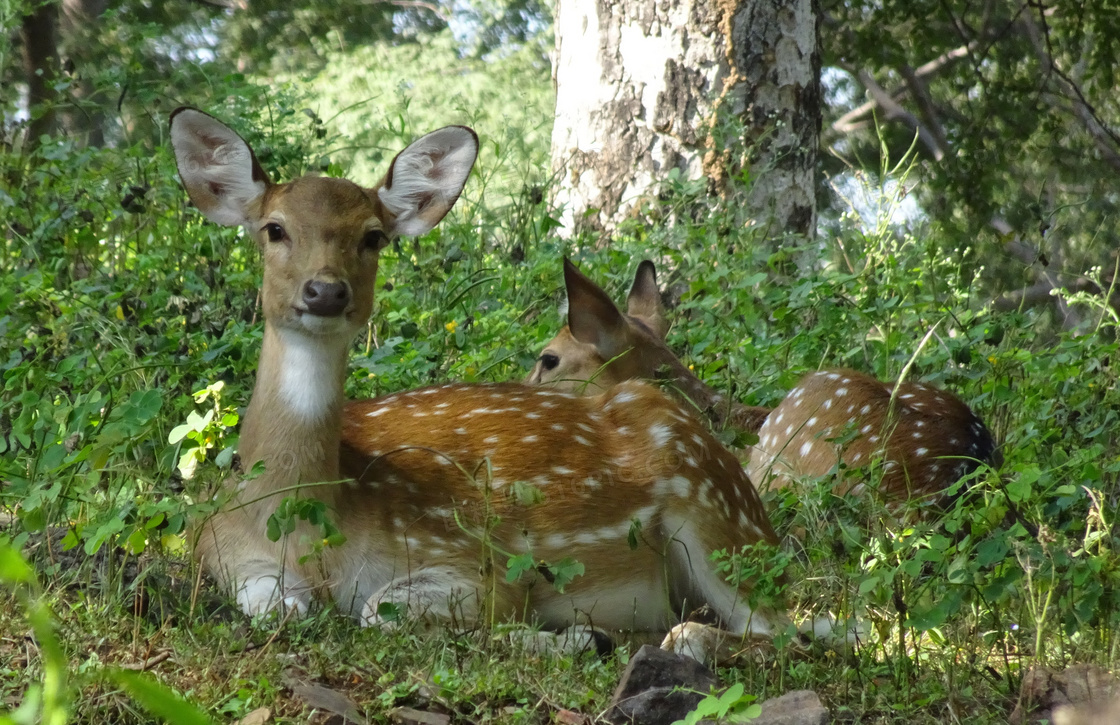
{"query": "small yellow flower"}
(992, 359)
(450, 326)
(689, 367)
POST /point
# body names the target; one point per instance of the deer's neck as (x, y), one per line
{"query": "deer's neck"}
(722, 410)
(691, 386)
(294, 419)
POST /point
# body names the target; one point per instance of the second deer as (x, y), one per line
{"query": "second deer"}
(924, 438)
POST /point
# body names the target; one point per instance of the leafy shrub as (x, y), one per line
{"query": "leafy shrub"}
(119, 305)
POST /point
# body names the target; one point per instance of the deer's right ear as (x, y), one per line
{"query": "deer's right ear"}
(219, 170)
(644, 300)
(592, 317)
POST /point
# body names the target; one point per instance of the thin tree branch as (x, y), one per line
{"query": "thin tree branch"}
(224, 4)
(894, 110)
(430, 7)
(848, 121)
(1106, 141)
(920, 91)
(1030, 257)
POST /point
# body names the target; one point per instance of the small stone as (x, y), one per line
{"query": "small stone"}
(260, 716)
(799, 707)
(408, 716)
(570, 717)
(1079, 689)
(1097, 714)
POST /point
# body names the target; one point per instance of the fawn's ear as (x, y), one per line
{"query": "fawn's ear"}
(644, 300)
(592, 317)
(219, 170)
(425, 180)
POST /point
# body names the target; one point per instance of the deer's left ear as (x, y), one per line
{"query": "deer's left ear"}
(425, 179)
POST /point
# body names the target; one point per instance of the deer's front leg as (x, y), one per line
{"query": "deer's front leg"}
(245, 563)
(264, 586)
(439, 593)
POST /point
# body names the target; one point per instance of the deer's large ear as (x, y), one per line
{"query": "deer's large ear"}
(592, 317)
(425, 179)
(644, 300)
(219, 170)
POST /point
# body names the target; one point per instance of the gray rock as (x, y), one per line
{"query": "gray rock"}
(1101, 713)
(659, 687)
(656, 706)
(1079, 691)
(799, 707)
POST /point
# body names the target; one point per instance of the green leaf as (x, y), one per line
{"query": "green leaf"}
(137, 541)
(731, 697)
(748, 713)
(633, 536)
(272, 528)
(13, 568)
(104, 532)
(178, 433)
(158, 699)
(224, 458)
(526, 494)
(389, 611)
(990, 551)
(868, 584)
(518, 565)
(564, 571)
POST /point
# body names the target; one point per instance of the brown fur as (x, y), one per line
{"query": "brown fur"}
(926, 438)
(600, 347)
(598, 464)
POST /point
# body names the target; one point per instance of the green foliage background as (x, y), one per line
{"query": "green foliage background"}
(129, 330)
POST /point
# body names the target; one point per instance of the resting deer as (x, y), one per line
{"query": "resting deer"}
(927, 438)
(444, 477)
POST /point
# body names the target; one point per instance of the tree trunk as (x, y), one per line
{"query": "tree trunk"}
(638, 87)
(40, 67)
(776, 54)
(80, 21)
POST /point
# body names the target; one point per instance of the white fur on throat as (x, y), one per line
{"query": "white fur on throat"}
(310, 374)
(429, 175)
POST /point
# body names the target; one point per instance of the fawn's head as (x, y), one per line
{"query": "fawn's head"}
(320, 238)
(600, 344)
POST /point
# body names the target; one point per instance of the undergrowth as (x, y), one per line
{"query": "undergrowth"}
(130, 330)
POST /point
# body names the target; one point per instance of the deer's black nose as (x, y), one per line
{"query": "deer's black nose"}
(326, 299)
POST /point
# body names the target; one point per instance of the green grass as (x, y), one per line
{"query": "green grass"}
(112, 320)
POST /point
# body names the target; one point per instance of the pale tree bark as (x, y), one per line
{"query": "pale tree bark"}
(639, 85)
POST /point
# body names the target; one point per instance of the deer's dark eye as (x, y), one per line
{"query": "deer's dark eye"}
(549, 360)
(275, 232)
(375, 240)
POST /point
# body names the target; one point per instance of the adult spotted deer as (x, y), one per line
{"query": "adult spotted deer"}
(925, 438)
(440, 488)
